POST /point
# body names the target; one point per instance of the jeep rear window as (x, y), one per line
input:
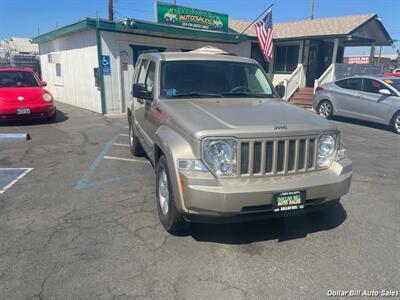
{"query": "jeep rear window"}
(213, 78)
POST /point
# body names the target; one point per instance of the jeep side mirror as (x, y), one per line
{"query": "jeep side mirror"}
(385, 92)
(281, 90)
(44, 83)
(139, 91)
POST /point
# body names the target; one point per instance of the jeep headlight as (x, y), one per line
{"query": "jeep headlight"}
(326, 149)
(220, 156)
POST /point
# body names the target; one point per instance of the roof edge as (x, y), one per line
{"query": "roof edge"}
(79, 25)
(139, 25)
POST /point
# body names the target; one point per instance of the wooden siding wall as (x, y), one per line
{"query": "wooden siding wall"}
(77, 54)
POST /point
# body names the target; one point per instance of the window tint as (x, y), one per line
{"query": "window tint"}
(351, 84)
(224, 78)
(394, 83)
(17, 79)
(142, 71)
(373, 86)
(150, 77)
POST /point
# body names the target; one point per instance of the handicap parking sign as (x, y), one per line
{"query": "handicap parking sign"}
(105, 61)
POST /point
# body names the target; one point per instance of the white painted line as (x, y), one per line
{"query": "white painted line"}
(127, 127)
(126, 159)
(124, 134)
(118, 144)
(27, 170)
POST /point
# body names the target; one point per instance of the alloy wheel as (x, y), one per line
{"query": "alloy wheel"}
(397, 124)
(325, 110)
(163, 192)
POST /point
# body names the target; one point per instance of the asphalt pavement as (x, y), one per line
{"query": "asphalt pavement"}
(82, 224)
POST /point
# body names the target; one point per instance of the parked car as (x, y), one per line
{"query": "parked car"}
(23, 96)
(369, 98)
(223, 144)
(395, 73)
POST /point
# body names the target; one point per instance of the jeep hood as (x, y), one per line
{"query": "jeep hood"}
(242, 117)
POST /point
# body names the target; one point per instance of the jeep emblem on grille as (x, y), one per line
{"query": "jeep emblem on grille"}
(280, 127)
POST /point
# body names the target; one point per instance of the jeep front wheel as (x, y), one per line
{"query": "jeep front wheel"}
(169, 216)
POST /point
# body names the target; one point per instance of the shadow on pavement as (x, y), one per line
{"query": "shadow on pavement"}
(362, 123)
(60, 117)
(281, 229)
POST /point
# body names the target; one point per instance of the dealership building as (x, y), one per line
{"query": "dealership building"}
(90, 63)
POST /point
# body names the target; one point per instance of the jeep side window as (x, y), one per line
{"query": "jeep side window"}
(150, 77)
(142, 71)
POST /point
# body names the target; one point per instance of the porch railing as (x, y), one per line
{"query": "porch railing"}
(297, 79)
(328, 76)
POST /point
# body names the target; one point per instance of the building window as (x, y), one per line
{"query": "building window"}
(286, 59)
(58, 78)
(256, 55)
(58, 70)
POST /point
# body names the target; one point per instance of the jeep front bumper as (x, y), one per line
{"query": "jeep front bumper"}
(208, 196)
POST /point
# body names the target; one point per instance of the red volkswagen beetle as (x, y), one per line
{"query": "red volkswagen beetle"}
(23, 96)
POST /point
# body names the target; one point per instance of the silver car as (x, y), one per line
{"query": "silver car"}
(369, 98)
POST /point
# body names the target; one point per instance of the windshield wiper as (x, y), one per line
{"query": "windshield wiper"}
(196, 94)
(241, 94)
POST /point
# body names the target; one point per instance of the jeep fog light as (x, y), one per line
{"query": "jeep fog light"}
(219, 155)
(191, 165)
(326, 149)
(342, 153)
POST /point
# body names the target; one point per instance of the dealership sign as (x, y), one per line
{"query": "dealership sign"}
(191, 17)
(360, 60)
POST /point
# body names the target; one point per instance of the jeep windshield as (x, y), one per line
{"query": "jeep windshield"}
(213, 79)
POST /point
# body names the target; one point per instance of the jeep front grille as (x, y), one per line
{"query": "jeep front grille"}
(280, 156)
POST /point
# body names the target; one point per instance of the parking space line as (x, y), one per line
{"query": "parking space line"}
(27, 170)
(126, 159)
(118, 144)
(124, 134)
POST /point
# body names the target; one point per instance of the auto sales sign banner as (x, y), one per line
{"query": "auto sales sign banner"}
(191, 17)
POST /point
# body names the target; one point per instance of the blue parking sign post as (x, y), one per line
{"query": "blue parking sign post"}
(105, 61)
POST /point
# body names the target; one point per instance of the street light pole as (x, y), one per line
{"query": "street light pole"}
(110, 10)
(312, 9)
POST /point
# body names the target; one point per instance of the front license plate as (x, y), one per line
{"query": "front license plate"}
(23, 111)
(289, 201)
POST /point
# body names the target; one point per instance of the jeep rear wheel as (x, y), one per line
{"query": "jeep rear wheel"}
(134, 144)
(169, 216)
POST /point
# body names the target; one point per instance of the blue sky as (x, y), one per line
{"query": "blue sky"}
(28, 17)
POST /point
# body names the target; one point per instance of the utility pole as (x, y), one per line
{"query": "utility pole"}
(110, 10)
(312, 9)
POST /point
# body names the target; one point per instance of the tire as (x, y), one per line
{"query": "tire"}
(325, 109)
(168, 214)
(396, 123)
(52, 118)
(134, 144)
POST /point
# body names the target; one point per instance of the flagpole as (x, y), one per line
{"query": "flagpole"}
(254, 21)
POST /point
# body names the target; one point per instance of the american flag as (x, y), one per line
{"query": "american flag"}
(264, 35)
